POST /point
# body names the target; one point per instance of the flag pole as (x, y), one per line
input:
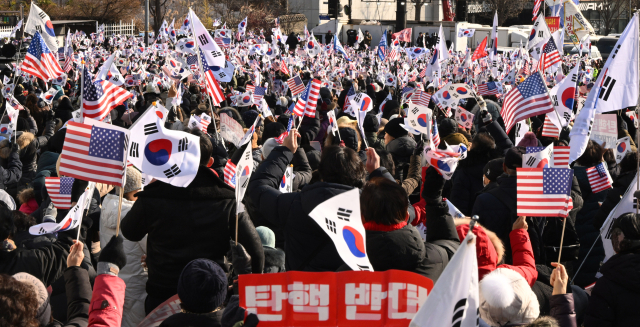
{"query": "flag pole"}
(121, 189)
(236, 228)
(564, 224)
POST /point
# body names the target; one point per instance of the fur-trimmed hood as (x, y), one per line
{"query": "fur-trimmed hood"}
(23, 140)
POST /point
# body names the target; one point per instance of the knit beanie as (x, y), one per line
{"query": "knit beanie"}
(447, 126)
(528, 140)
(267, 236)
(202, 286)
(249, 117)
(394, 129)
(513, 157)
(134, 180)
(44, 308)
(268, 146)
(370, 123)
(506, 297)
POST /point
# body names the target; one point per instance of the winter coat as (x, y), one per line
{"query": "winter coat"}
(563, 310)
(183, 319)
(307, 246)
(619, 187)
(187, 223)
(273, 260)
(78, 293)
(373, 141)
(11, 170)
(301, 169)
(615, 297)
(132, 274)
(107, 301)
(467, 180)
(496, 210)
(30, 146)
(493, 108)
(46, 263)
(401, 150)
(401, 246)
(586, 231)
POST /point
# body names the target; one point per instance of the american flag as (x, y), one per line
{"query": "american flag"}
(306, 104)
(407, 92)
(223, 42)
(550, 55)
(423, 73)
(59, 189)
(530, 98)
(560, 156)
(599, 178)
(283, 68)
(213, 88)
(230, 173)
(295, 85)
(393, 55)
(347, 103)
(435, 136)
(421, 98)
(100, 97)
(39, 61)
(258, 94)
(536, 8)
(549, 129)
(280, 139)
(489, 88)
(544, 192)
(250, 88)
(93, 153)
(192, 61)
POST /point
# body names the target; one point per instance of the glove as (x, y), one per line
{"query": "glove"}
(15, 147)
(419, 146)
(240, 259)
(114, 252)
(435, 182)
(48, 115)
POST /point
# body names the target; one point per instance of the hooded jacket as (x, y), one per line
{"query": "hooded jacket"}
(615, 297)
(401, 150)
(187, 223)
(467, 180)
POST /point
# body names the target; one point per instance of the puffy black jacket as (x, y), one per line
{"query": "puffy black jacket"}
(187, 223)
(587, 233)
(307, 246)
(614, 300)
(401, 150)
(273, 260)
(467, 180)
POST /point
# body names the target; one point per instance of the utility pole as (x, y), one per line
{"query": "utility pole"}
(401, 15)
(146, 23)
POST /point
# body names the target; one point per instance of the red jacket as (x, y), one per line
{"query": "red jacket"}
(523, 261)
(107, 301)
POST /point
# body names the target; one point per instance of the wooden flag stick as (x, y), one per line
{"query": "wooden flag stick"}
(119, 210)
(564, 224)
(236, 228)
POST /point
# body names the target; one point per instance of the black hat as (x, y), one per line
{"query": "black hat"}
(370, 123)
(202, 286)
(447, 126)
(493, 169)
(394, 129)
(513, 158)
(273, 130)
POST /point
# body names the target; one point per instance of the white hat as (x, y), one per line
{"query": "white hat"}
(506, 297)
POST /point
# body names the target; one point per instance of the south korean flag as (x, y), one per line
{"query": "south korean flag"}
(286, 185)
(340, 218)
(169, 156)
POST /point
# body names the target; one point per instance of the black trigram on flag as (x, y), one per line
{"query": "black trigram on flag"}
(344, 214)
(172, 172)
(331, 225)
(363, 267)
(458, 312)
(608, 234)
(607, 86)
(150, 128)
(203, 39)
(531, 161)
(42, 231)
(134, 152)
(183, 144)
(415, 110)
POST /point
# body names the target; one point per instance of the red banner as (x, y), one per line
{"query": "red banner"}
(351, 298)
(553, 23)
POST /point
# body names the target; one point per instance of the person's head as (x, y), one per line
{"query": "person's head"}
(383, 202)
(483, 142)
(629, 162)
(18, 303)
(507, 298)
(22, 221)
(202, 286)
(393, 130)
(625, 233)
(386, 161)
(7, 225)
(267, 236)
(513, 160)
(492, 170)
(133, 184)
(592, 155)
(341, 165)
(206, 148)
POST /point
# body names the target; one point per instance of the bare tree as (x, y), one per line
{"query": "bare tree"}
(611, 12)
(105, 11)
(157, 10)
(418, 8)
(506, 9)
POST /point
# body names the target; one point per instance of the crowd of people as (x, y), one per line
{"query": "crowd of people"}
(187, 240)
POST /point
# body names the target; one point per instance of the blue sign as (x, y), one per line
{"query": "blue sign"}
(324, 17)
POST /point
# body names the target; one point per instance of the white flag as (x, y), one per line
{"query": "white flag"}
(15, 29)
(186, 45)
(540, 159)
(286, 185)
(563, 96)
(249, 134)
(340, 218)
(446, 161)
(625, 205)
(169, 156)
(617, 84)
(244, 168)
(211, 51)
(419, 118)
(452, 93)
(442, 45)
(466, 32)
(539, 32)
(622, 147)
(73, 218)
(575, 24)
(464, 118)
(453, 211)
(454, 300)
(39, 21)
(49, 95)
